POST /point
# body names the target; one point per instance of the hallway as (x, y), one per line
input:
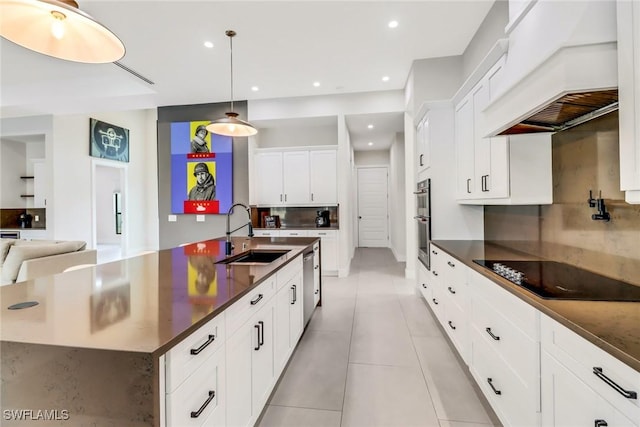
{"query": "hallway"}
(372, 355)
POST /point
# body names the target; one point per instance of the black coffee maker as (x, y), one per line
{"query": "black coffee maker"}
(322, 219)
(24, 219)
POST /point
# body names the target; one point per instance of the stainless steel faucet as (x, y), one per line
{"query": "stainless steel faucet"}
(229, 245)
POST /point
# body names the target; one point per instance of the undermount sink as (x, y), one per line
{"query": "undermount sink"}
(255, 256)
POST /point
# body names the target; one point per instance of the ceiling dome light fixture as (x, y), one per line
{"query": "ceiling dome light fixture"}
(58, 29)
(231, 125)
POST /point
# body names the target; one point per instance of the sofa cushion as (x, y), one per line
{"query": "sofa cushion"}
(5, 244)
(21, 252)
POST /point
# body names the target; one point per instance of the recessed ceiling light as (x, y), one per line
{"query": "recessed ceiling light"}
(393, 24)
(255, 88)
(316, 84)
(208, 44)
(370, 127)
(385, 78)
(370, 144)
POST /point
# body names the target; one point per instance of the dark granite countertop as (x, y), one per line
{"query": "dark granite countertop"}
(612, 326)
(146, 303)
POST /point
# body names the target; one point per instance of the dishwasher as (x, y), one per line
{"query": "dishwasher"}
(307, 285)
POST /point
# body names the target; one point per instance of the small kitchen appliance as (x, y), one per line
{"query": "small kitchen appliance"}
(24, 219)
(556, 280)
(322, 219)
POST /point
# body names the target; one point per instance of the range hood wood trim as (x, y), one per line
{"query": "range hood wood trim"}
(568, 70)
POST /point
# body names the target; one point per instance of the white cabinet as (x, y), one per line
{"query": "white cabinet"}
(289, 320)
(295, 184)
(250, 369)
(503, 169)
(323, 171)
(629, 97)
(300, 177)
(602, 387)
(269, 175)
(505, 357)
(423, 143)
(328, 249)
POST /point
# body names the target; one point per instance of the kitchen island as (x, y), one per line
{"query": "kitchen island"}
(94, 351)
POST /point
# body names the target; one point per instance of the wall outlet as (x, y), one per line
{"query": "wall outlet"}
(199, 218)
(172, 218)
(36, 218)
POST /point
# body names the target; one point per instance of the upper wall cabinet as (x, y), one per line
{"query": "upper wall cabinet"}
(629, 97)
(295, 177)
(498, 170)
(423, 143)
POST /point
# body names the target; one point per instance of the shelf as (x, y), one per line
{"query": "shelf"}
(26, 177)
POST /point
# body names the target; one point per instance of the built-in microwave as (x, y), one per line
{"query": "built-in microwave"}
(423, 217)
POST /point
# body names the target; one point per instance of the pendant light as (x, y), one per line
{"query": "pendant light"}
(59, 29)
(231, 125)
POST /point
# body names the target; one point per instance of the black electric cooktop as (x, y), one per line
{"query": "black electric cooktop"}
(556, 280)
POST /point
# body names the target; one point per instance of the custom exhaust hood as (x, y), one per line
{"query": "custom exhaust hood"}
(575, 84)
(567, 111)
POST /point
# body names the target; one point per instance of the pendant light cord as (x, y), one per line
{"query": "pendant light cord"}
(231, 33)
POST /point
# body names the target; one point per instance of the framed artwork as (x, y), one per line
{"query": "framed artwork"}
(108, 141)
(201, 169)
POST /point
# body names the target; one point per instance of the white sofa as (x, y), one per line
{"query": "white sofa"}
(22, 260)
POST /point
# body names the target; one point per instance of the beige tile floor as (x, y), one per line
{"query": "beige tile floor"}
(373, 355)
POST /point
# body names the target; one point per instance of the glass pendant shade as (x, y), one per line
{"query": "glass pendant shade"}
(231, 126)
(58, 29)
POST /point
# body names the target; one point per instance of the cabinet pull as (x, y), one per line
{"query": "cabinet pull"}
(196, 414)
(281, 197)
(424, 285)
(450, 264)
(451, 325)
(468, 182)
(257, 300)
(485, 180)
(435, 273)
(261, 342)
(434, 252)
(285, 197)
(421, 156)
(628, 394)
(312, 197)
(451, 290)
(293, 294)
(317, 291)
(316, 267)
(204, 345)
(495, 390)
(258, 336)
(600, 423)
(435, 301)
(495, 337)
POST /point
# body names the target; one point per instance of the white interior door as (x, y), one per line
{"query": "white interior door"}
(373, 209)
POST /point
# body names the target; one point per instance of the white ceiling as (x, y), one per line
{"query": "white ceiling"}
(281, 47)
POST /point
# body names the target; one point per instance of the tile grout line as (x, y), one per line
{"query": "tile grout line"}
(353, 322)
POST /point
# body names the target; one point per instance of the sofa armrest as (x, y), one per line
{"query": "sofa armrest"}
(54, 264)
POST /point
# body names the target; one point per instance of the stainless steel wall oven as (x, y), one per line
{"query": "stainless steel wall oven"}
(423, 217)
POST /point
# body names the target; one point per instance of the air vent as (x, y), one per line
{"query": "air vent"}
(134, 73)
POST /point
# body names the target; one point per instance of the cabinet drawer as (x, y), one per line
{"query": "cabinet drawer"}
(266, 233)
(516, 348)
(240, 311)
(183, 359)
(614, 381)
(510, 306)
(455, 293)
(199, 400)
(289, 271)
(436, 301)
(514, 402)
(323, 234)
(293, 233)
(454, 271)
(457, 327)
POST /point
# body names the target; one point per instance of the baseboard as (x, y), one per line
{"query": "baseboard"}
(398, 257)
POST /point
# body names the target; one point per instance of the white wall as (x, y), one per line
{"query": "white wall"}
(72, 169)
(12, 165)
(397, 195)
(372, 158)
(293, 136)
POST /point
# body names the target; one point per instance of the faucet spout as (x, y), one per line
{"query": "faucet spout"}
(228, 245)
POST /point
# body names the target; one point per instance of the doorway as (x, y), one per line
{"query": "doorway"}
(373, 206)
(109, 210)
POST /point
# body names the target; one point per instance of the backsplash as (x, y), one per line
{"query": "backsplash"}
(293, 217)
(9, 218)
(584, 158)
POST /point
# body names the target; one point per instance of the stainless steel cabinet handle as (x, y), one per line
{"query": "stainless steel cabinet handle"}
(421, 156)
(628, 394)
(196, 414)
(293, 293)
(203, 346)
(468, 182)
(312, 197)
(261, 342)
